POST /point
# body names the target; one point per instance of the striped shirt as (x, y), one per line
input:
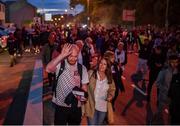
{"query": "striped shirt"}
(67, 81)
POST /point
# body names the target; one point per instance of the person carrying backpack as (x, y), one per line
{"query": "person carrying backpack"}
(69, 83)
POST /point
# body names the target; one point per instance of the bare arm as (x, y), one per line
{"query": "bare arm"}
(66, 51)
(84, 87)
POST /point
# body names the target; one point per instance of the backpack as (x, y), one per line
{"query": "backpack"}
(61, 71)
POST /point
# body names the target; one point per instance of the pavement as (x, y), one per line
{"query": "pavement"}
(14, 87)
(25, 97)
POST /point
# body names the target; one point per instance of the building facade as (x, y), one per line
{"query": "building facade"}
(20, 12)
(2, 13)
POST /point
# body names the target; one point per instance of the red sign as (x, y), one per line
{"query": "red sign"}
(128, 15)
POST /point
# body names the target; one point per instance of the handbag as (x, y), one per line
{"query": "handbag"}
(110, 113)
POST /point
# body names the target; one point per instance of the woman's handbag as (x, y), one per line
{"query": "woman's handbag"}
(110, 113)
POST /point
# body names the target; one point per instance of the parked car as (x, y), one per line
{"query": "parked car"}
(3, 38)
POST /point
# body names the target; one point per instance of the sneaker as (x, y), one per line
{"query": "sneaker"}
(26, 50)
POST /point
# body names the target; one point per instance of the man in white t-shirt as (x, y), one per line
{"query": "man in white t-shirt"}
(120, 55)
(70, 78)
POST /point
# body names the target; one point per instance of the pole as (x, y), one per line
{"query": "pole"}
(167, 15)
(43, 13)
(88, 13)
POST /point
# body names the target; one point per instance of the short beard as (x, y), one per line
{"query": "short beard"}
(71, 63)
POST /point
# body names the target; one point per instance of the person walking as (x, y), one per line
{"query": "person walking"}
(68, 113)
(117, 73)
(47, 55)
(101, 91)
(11, 45)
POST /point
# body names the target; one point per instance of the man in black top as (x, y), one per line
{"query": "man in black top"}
(47, 54)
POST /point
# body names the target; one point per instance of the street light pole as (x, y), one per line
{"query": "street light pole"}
(167, 15)
(88, 13)
(43, 14)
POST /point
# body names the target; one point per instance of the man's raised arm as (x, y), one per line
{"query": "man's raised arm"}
(66, 51)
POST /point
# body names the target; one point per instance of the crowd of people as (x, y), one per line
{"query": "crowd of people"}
(102, 55)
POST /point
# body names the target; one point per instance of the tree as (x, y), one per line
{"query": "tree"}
(147, 11)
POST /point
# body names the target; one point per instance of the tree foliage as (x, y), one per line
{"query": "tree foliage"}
(147, 11)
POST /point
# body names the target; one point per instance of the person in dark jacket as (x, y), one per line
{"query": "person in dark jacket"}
(174, 95)
(87, 51)
(163, 83)
(155, 63)
(144, 52)
(47, 52)
(11, 44)
(18, 39)
(25, 38)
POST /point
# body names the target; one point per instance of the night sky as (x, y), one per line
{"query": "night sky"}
(51, 4)
(54, 4)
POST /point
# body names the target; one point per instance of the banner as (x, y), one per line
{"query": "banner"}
(128, 15)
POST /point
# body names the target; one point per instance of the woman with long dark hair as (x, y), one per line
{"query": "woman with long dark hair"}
(116, 73)
(101, 91)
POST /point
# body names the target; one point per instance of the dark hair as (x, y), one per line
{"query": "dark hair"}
(108, 72)
(109, 55)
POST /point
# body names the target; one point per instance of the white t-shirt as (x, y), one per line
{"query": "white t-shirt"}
(100, 94)
(120, 58)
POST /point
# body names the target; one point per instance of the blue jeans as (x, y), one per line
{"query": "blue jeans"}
(97, 119)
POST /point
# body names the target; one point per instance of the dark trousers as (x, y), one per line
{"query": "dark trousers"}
(67, 116)
(174, 109)
(115, 97)
(152, 78)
